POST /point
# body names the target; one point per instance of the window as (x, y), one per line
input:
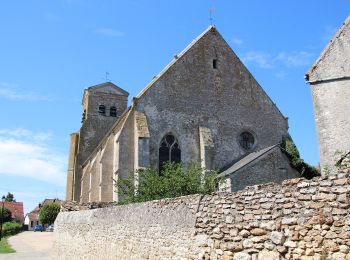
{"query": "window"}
(215, 64)
(31, 223)
(113, 112)
(169, 151)
(102, 110)
(246, 140)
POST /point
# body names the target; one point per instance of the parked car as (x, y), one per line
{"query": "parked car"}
(38, 228)
(50, 228)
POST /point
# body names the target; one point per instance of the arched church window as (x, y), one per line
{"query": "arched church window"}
(247, 140)
(102, 110)
(169, 151)
(113, 112)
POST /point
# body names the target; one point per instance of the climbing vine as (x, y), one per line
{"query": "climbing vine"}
(305, 170)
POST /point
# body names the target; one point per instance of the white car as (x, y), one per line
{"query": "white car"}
(50, 228)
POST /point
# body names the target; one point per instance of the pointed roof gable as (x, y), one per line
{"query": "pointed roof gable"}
(210, 29)
(329, 55)
(176, 58)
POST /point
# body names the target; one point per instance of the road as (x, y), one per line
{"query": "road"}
(30, 245)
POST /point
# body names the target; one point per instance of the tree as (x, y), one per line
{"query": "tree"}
(49, 212)
(174, 181)
(10, 197)
(7, 217)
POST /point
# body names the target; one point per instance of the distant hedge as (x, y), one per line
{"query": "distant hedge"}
(10, 228)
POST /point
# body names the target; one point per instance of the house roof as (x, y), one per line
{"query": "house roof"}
(34, 216)
(246, 160)
(328, 48)
(16, 209)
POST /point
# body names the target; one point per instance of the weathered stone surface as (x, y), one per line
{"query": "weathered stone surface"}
(268, 255)
(277, 238)
(329, 95)
(204, 106)
(242, 256)
(195, 227)
(257, 232)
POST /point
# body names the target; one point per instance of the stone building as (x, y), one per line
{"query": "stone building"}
(329, 79)
(204, 107)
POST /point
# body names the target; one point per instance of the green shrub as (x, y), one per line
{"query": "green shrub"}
(10, 228)
(49, 212)
(174, 181)
(305, 170)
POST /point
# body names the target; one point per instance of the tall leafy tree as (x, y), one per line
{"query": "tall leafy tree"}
(6, 214)
(10, 197)
(49, 212)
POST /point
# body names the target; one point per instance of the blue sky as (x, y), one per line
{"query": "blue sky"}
(51, 50)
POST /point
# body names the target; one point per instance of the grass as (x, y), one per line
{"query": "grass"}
(5, 247)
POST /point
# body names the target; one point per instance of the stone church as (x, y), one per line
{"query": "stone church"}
(203, 107)
(329, 79)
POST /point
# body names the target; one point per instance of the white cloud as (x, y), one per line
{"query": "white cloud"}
(294, 59)
(262, 59)
(9, 91)
(24, 153)
(237, 41)
(109, 32)
(282, 59)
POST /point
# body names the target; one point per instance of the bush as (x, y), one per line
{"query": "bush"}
(174, 181)
(305, 170)
(49, 212)
(10, 228)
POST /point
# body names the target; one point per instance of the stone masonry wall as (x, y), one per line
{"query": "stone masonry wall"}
(299, 219)
(153, 230)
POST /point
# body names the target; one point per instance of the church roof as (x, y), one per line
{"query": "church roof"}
(328, 48)
(248, 159)
(176, 58)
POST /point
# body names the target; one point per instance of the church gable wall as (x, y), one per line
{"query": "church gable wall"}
(227, 100)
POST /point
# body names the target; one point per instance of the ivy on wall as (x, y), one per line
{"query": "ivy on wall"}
(289, 148)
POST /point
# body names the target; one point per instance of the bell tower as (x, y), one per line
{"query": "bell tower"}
(102, 106)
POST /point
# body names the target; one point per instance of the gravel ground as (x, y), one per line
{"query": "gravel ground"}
(30, 245)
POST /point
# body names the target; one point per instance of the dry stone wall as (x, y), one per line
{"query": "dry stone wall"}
(300, 219)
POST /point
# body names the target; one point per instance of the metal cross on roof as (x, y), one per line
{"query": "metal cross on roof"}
(211, 19)
(107, 78)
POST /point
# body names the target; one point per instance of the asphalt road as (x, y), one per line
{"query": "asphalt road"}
(30, 245)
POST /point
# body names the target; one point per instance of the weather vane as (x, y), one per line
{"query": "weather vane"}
(211, 19)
